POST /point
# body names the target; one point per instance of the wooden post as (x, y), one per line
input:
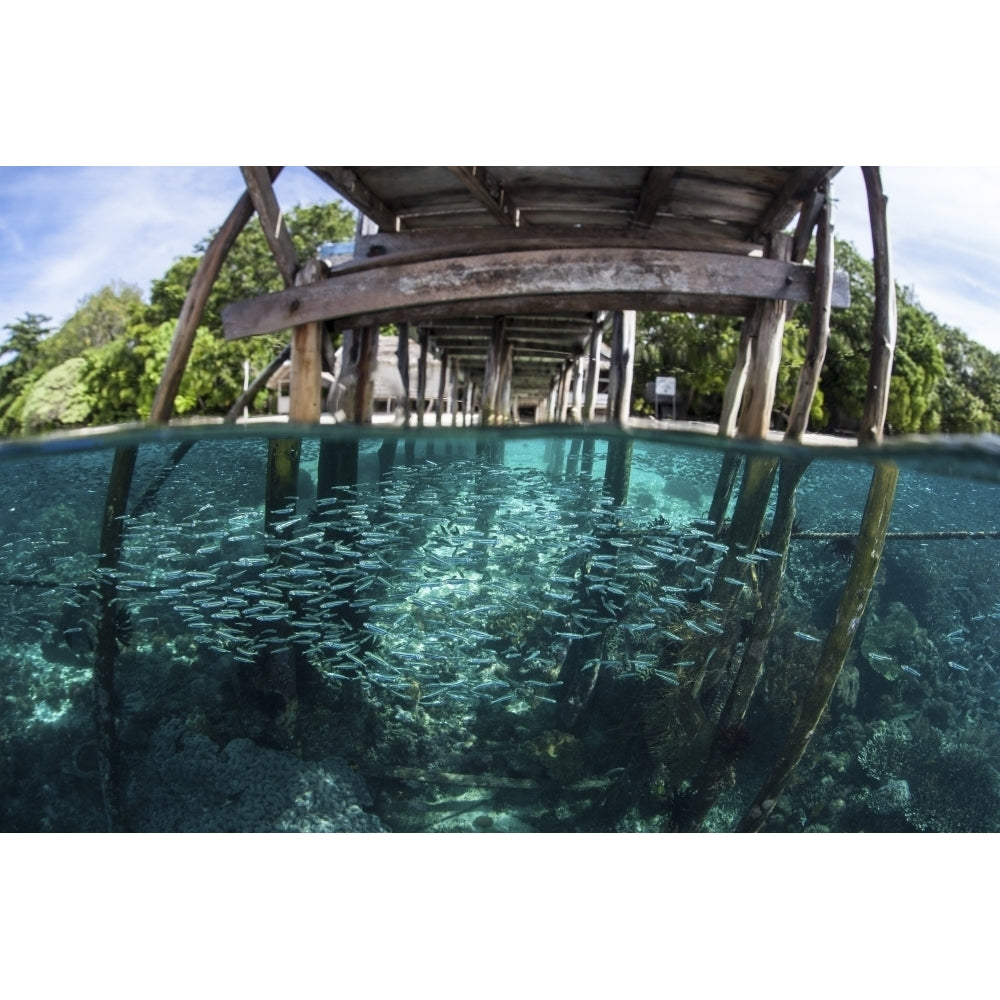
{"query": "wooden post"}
(467, 410)
(106, 649)
(576, 412)
(306, 378)
(442, 382)
(884, 325)
(733, 395)
(422, 378)
(593, 369)
(403, 364)
(194, 305)
(769, 323)
(367, 363)
(850, 611)
(492, 374)
(622, 362)
(506, 381)
(716, 772)
(819, 327)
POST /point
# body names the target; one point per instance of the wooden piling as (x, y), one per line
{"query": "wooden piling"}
(850, 612)
(884, 325)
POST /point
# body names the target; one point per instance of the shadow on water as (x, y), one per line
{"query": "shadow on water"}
(522, 630)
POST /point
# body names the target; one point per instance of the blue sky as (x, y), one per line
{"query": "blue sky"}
(67, 231)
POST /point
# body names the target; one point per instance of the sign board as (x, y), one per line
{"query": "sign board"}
(666, 385)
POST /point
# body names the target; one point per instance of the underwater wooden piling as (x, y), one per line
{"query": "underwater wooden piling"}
(108, 628)
(716, 773)
(850, 612)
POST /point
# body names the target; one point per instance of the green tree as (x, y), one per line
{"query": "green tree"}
(57, 399)
(19, 366)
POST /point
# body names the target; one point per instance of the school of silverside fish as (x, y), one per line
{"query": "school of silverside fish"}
(468, 605)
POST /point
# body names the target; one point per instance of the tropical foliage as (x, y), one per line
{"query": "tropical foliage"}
(103, 365)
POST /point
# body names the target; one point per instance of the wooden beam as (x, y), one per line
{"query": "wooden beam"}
(279, 239)
(786, 203)
(347, 183)
(884, 321)
(588, 278)
(194, 305)
(454, 241)
(655, 188)
(488, 191)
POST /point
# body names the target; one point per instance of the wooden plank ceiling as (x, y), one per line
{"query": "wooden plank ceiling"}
(546, 219)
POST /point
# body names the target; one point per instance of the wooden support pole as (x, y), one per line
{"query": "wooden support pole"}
(593, 370)
(422, 378)
(364, 391)
(769, 324)
(279, 239)
(194, 305)
(850, 611)
(733, 396)
(819, 326)
(467, 409)
(506, 382)
(306, 378)
(622, 363)
(106, 648)
(884, 325)
(576, 413)
(492, 373)
(716, 773)
(403, 364)
(442, 383)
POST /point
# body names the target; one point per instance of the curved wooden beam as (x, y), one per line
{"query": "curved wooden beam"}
(577, 280)
(194, 305)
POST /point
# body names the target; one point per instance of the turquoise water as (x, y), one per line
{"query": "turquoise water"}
(486, 632)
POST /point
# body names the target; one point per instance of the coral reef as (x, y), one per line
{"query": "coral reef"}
(188, 784)
(938, 784)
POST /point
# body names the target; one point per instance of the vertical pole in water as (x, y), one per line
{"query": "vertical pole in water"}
(850, 611)
(884, 329)
(304, 405)
(112, 531)
(403, 365)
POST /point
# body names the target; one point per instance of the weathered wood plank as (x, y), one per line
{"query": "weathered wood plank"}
(654, 191)
(588, 277)
(347, 183)
(786, 202)
(454, 241)
(279, 239)
(488, 191)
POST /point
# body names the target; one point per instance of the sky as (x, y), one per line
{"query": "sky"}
(67, 231)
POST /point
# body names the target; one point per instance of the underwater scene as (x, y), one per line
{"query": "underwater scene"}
(532, 630)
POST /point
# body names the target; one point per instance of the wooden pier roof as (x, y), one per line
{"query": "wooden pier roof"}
(449, 249)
